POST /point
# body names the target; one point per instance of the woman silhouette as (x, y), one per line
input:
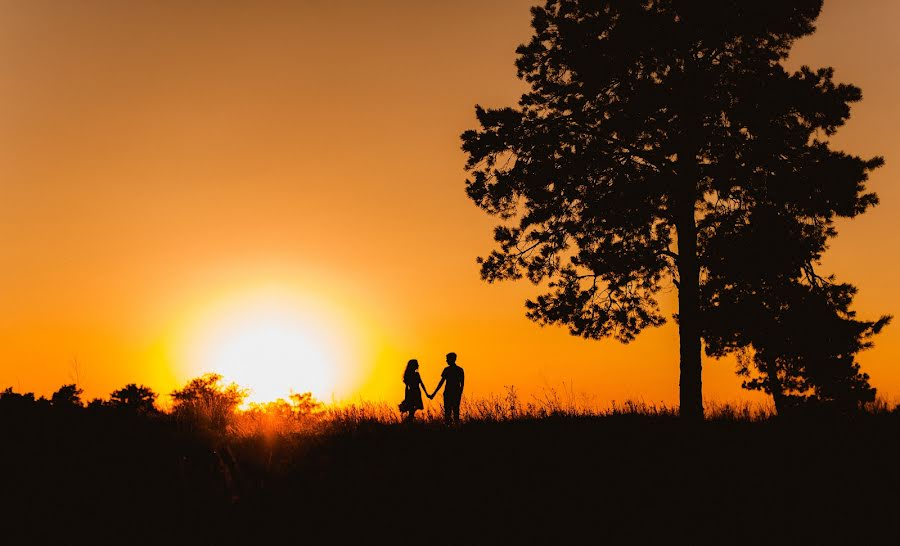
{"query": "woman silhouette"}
(412, 400)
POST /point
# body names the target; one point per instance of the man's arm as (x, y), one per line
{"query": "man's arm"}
(462, 380)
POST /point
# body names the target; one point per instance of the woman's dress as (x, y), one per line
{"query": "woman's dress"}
(412, 400)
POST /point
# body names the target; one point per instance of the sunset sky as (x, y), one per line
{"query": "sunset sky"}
(183, 182)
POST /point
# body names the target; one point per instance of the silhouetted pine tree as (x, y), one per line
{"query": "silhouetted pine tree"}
(647, 126)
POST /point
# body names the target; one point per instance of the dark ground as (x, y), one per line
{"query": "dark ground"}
(82, 477)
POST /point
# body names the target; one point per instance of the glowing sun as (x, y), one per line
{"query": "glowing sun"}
(274, 348)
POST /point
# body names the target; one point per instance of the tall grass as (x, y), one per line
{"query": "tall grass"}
(281, 418)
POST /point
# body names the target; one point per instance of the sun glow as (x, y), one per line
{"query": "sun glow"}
(275, 345)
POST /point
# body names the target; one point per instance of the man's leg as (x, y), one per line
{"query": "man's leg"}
(454, 407)
(448, 410)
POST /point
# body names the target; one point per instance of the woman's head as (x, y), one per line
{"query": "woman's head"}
(411, 366)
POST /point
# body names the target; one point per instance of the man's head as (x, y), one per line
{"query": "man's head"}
(451, 359)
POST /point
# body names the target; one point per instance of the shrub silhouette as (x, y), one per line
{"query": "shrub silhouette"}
(205, 403)
(299, 413)
(68, 396)
(133, 398)
(13, 402)
(304, 404)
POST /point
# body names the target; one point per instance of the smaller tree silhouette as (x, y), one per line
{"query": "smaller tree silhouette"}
(134, 398)
(206, 403)
(305, 404)
(804, 349)
(794, 331)
(68, 396)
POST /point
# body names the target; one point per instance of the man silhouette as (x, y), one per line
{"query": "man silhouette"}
(454, 377)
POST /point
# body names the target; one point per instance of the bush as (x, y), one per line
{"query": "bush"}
(205, 403)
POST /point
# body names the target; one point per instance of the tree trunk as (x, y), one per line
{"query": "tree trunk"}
(688, 263)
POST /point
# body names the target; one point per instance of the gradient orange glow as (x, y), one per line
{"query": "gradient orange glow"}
(176, 174)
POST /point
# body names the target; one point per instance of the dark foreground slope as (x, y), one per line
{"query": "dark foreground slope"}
(106, 478)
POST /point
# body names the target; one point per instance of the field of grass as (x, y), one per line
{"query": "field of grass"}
(536, 473)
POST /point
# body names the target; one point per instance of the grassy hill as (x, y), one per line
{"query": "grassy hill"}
(96, 475)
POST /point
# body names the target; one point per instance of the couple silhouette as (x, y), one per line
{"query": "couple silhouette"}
(452, 376)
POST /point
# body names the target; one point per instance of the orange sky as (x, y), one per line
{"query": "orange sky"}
(164, 163)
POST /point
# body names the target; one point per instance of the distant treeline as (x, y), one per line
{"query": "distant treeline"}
(205, 403)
